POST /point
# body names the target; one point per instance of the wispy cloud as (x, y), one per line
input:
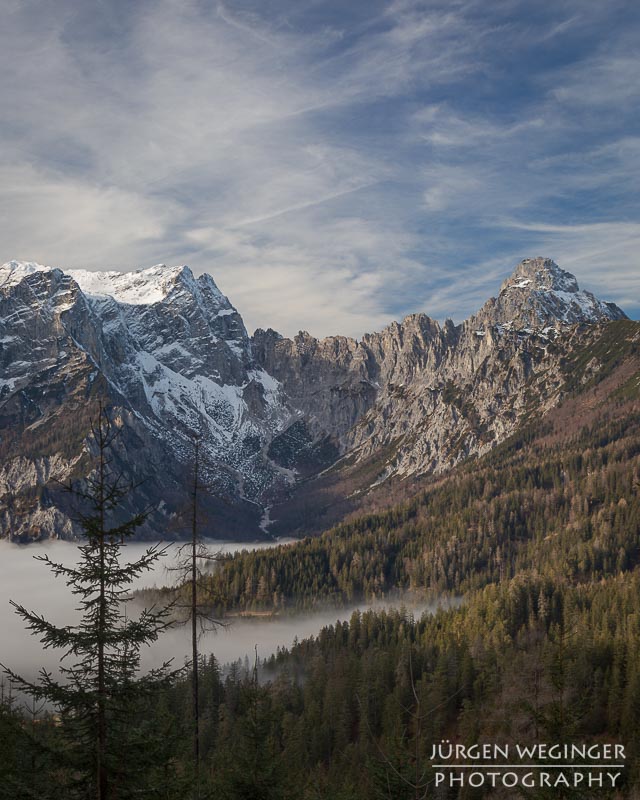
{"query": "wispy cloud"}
(333, 165)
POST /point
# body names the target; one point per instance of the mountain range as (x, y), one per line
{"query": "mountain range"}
(293, 433)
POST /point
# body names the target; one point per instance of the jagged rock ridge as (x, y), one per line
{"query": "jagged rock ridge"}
(171, 355)
(165, 349)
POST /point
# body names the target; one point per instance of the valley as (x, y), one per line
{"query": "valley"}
(293, 434)
(465, 565)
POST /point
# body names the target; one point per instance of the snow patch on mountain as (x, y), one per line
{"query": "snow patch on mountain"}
(142, 287)
(192, 401)
(539, 295)
(13, 272)
(174, 357)
(151, 285)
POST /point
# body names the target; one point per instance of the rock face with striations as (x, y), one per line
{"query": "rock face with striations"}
(169, 354)
(435, 395)
(336, 380)
(540, 295)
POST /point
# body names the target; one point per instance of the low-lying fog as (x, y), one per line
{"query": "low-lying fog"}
(31, 583)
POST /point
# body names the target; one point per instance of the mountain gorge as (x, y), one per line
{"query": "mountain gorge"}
(291, 431)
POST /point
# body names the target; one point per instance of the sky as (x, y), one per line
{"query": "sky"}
(333, 165)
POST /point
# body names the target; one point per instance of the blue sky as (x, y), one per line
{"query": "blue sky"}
(334, 165)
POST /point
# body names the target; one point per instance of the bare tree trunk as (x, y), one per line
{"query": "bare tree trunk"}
(194, 622)
(103, 786)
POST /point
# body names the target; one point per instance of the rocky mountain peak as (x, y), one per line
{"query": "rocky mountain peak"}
(539, 295)
(542, 275)
(13, 272)
(169, 352)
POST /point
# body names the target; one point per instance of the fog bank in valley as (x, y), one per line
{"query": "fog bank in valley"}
(31, 583)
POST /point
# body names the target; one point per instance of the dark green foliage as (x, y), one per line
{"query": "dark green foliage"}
(568, 510)
(246, 761)
(540, 541)
(354, 712)
(101, 749)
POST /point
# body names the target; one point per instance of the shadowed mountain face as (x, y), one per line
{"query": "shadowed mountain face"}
(170, 357)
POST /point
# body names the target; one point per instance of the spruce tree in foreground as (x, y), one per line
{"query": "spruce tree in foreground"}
(98, 694)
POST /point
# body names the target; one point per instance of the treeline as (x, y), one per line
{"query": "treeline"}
(353, 713)
(567, 511)
(540, 539)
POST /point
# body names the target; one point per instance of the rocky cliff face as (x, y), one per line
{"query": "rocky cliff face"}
(169, 353)
(539, 296)
(433, 394)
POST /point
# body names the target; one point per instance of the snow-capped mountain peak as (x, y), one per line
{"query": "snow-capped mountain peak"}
(141, 287)
(144, 287)
(13, 272)
(542, 275)
(167, 348)
(539, 295)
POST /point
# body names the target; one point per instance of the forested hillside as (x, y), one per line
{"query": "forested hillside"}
(559, 499)
(354, 713)
(536, 549)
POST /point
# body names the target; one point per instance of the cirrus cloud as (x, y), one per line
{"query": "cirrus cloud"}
(333, 166)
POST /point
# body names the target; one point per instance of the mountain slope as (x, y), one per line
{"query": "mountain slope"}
(168, 353)
(557, 498)
(287, 428)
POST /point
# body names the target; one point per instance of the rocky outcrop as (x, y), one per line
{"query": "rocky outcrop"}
(331, 381)
(171, 357)
(435, 395)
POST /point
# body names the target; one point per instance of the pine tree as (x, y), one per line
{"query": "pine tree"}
(98, 691)
(249, 766)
